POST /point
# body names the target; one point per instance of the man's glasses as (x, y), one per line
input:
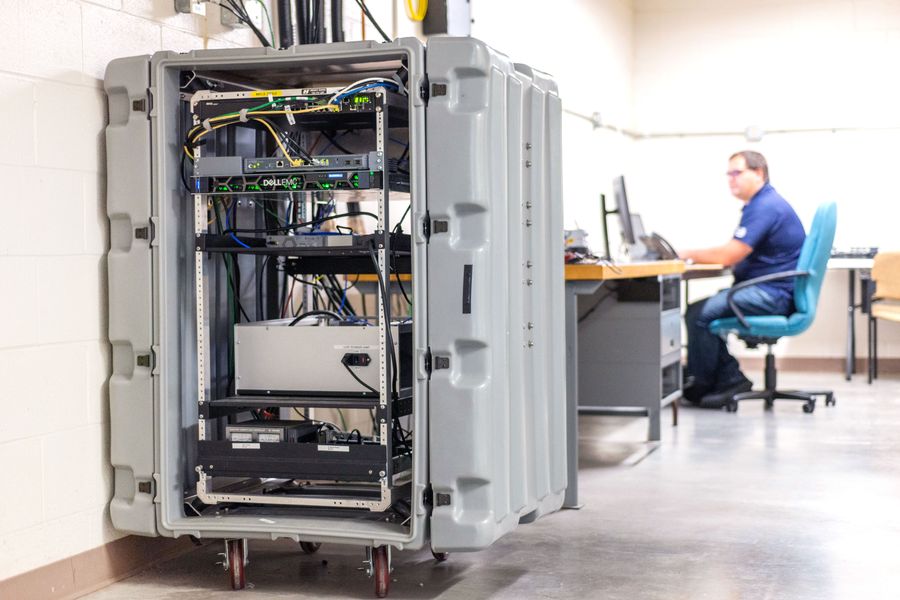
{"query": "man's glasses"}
(735, 173)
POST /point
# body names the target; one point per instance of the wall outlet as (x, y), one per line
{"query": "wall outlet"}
(197, 7)
(254, 10)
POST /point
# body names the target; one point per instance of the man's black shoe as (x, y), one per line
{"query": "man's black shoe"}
(718, 399)
(693, 392)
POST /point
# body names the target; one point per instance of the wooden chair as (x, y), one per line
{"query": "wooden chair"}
(885, 301)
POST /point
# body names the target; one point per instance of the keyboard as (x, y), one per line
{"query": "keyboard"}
(862, 252)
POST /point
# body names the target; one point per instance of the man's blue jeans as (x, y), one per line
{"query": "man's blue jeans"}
(709, 361)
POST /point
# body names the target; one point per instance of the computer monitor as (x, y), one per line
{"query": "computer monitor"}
(622, 210)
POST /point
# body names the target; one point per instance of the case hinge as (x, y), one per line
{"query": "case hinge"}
(146, 233)
(439, 89)
(440, 226)
(144, 105)
(148, 361)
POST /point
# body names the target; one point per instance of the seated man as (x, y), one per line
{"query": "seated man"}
(768, 240)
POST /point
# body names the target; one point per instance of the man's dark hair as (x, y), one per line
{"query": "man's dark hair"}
(754, 160)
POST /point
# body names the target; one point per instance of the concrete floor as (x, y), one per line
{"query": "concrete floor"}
(753, 505)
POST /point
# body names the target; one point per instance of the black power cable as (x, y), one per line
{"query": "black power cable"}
(402, 290)
(335, 143)
(337, 20)
(372, 20)
(387, 328)
(285, 26)
(324, 313)
(237, 8)
(398, 228)
(361, 382)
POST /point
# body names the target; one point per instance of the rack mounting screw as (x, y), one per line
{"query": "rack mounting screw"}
(528, 145)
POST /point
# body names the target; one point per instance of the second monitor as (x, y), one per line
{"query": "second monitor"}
(640, 245)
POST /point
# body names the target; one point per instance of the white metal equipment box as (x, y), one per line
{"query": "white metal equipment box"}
(274, 357)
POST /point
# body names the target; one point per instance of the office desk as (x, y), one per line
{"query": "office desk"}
(640, 317)
(853, 266)
(703, 271)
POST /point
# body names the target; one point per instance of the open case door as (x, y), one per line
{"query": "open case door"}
(131, 404)
(497, 452)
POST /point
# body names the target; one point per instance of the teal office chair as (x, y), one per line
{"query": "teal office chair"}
(767, 329)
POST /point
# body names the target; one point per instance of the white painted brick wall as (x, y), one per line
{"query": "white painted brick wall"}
(54, 358)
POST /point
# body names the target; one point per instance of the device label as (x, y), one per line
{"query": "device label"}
(355, 347)
(272, 181)
(245, 446)
(265, 93)
(326, 448)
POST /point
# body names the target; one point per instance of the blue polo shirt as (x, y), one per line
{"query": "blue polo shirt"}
(771, 227)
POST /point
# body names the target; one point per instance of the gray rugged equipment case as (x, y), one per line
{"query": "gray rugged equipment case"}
(488, 416)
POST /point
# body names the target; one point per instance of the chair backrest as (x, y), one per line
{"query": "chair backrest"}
(814, 259)
(886, 274)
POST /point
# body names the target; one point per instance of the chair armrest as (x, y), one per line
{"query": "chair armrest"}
(761, 279)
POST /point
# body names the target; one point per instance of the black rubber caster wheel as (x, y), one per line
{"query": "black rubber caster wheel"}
(310, 547)
(731, 406)
(382, 571)
(808, 407)
(830, 401)
(440, 556)
(236, 564)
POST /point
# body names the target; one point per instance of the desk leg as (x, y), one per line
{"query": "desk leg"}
(571, 500)
(653, 427)
(850, 366)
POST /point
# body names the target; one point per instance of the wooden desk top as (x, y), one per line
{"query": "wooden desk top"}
(624, 270)
(370, 277)
(599, 272)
